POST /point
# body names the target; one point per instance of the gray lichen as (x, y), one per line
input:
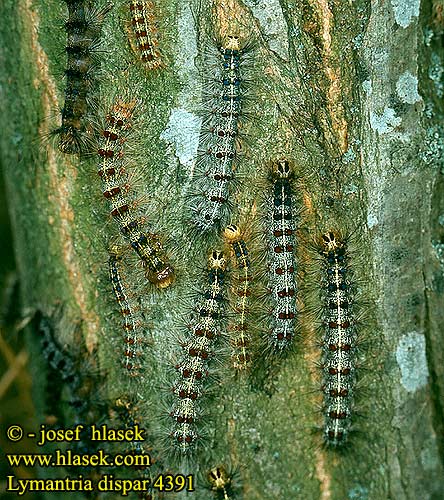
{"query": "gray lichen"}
(407, 88)
(385, 122)
(183, 131)
(270, 16)
(405, 11)
(412, 361)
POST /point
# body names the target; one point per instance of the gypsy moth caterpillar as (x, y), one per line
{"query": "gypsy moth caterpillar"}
(194, 365)
(83, 28)
(240, 302)
(129, 414)
(339, 342)
(80, 380)
(132, 323)
(143, 33)
(61, 363)
(58, 367)
(223, 95)
(114, 178)
(280, 227)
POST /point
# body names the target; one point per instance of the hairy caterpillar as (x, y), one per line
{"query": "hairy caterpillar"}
(132, 324)
(83, 27)
(80, 381)
(127, 410)
(61, 364)
(218, 151)
(198, 348)
(240, 338)
(114, 180)
(281, 244)
(143, 35)
(339, 342)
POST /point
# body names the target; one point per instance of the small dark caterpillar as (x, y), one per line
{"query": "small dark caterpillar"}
(198, 349)
(132, 324)
(218, 155)
(339, 343)
(127, 410)
(144, 31)
(115, 186)
(83, 28)
(240, 338)
(280, 229)
(61, 363)
(80, 381)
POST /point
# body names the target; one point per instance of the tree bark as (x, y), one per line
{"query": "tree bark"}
(352, 92)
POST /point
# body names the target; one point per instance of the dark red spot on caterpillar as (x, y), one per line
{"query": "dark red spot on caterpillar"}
(341, 393)
(337, 415)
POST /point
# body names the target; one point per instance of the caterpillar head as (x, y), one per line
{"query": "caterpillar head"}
(219, 478)
(216, 260)
(331, 241)
(232, 42)
(282, 169)
(232, 233)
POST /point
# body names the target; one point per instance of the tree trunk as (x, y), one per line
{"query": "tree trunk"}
(351, 93)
